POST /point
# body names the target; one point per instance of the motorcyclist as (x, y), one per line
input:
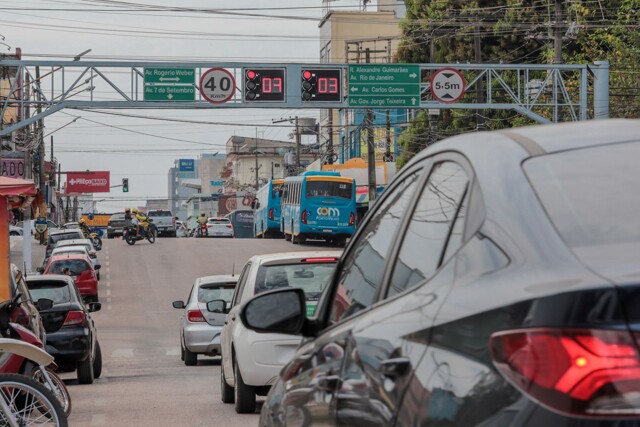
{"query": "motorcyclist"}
(202, 221)
(84, 227)
(143, 222)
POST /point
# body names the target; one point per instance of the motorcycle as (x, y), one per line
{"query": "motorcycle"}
(94, 237)
(131, 236)
(202, 230)
(26, 353)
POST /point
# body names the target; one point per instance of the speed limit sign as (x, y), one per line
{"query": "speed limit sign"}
(217, 85)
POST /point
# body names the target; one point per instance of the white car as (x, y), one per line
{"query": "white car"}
(252, 361)
(200, 328)
(219, 227)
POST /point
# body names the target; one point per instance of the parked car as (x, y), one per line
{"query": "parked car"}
(15, 231)
(26, 314)
(164, 221)
(60, 235)
(200, 328)
(80, 268)
(71, 332)
(79, 249)
(70, 225)
(115, 226)
(495, 283)
(220, 227)
(252, 361)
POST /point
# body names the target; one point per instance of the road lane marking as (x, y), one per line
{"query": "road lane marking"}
(108, 292)
(122, 352)
(173, 351)
(108, 300)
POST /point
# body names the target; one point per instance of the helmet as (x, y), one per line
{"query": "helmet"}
(135, 210)
(127, 210)
(82, 221)
(201, 213)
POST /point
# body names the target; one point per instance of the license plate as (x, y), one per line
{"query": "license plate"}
(327, 231)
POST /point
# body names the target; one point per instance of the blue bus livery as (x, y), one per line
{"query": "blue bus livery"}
(266, 220)
(319, 205)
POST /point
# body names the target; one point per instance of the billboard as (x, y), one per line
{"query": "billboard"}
(87, 182)
(13, 168)
(186, 165)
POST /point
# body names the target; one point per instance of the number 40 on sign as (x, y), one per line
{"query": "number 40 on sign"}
(217, 85)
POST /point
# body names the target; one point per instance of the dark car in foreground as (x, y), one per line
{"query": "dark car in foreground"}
(71, 332)
(495, 283)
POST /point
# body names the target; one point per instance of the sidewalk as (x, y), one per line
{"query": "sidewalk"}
(15, 253)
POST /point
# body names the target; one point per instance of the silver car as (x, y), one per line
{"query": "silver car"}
(200, 328)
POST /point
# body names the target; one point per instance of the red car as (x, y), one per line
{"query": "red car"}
(80, 268)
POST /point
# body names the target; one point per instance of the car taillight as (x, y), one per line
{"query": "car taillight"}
(195, 316)
(317, 260)
(229, 226)
(74, 318)
(586, 372)
(20, 316)
(304, 217)
(352, 219)
(271, 217)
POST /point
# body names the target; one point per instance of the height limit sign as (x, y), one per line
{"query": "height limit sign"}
(447, 85)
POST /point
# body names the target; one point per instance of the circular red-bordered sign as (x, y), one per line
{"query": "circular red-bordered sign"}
(448, 85)
(217, 85)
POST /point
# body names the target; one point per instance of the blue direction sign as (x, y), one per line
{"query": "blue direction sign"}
(384, 85)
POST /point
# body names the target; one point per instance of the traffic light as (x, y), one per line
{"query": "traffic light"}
(322, 85)
(264, 84)
(125, 185)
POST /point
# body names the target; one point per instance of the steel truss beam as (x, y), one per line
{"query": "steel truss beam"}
(546, 93)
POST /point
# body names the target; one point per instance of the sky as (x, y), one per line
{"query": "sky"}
(120, 30)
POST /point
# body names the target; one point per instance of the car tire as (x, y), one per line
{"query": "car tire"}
(14, 233)
(97, 362)
(181, 352)
(226, 392)
(244, 395)
(190, 359)
(85, 371)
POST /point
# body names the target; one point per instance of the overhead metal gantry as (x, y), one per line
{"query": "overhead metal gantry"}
(546, 93)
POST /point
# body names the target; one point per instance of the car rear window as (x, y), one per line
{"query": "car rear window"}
(590, 194)
(55, 238)
(215, 291)
(218, 221)
(76, 266)
(117, 217)
(57, 291)
(159, 213)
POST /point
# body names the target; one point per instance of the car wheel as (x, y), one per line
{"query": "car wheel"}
(181, 352)
(85, 371)
(243, 394)
(97, 362)
(226, 392)
(190, 359)
(14, 233)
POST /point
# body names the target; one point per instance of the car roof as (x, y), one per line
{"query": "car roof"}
(295, 256)
(221, 278)
(59, 249)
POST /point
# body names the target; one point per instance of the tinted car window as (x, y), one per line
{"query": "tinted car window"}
(158, 213)
(214, 291)
(117, 217)
(428, 230)
(590, 194)
(59, 292)
(363, 267)
(76, 266)
(218, 221)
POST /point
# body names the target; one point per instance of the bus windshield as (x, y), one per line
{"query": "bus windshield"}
(329, 188)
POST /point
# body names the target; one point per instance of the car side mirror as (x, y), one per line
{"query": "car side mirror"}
(94, 306)
(178, 304)
(280, 311)
(44, 304)
(97, 267)
(217, 306)
(40, 270)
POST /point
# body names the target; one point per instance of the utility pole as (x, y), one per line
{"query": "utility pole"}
(371, 152)
(480, 124)
(330, 143)
(557, 34)
(298, 143)
(256, 168)
(387, 154)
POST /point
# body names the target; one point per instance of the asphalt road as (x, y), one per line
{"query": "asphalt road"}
(144, 383)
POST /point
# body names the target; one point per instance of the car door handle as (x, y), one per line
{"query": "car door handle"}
(329, 383)
(395, 367)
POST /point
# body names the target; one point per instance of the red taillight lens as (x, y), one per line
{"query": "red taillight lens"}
(318, 260)
(74, 318)
(20, 316)
(574, 371)
(304, 217)
(229, 226)
(195, 316)
(271, 217)
(352, 219)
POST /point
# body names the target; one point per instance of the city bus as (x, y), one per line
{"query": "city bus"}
(266, 219)
(318, 205)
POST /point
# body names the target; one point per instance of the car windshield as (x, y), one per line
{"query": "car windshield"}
(76, 266)
(57, 291)
(159, 213)
(213, 291)
(590, 194)
(329, 189)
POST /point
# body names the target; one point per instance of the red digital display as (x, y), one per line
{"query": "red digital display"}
(322, 85)
(264, 85)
